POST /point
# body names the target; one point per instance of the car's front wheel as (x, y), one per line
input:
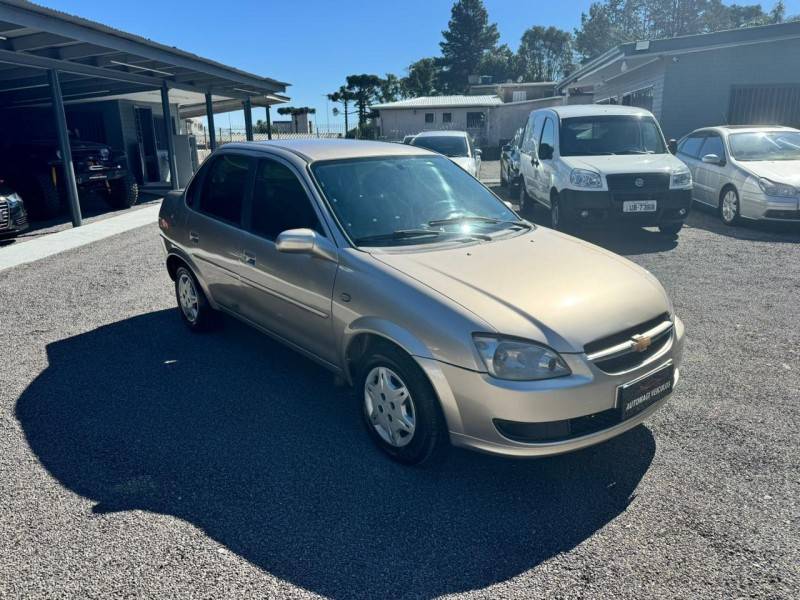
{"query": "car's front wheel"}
(399, 407)
(195, 310)
(729, 207)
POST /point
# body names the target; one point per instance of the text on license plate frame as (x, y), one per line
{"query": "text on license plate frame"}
(635, 396)
(637, 206)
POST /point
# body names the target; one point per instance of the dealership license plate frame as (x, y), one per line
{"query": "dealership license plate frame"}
(640, 206)
(634, 389)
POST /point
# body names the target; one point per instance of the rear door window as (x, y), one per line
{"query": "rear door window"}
(224, 188)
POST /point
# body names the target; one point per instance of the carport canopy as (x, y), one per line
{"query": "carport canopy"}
(49, 57)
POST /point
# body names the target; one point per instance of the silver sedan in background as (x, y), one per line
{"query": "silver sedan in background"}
(745, 172)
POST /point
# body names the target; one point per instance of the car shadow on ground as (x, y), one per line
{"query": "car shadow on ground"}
(252, 444)
(705, 217)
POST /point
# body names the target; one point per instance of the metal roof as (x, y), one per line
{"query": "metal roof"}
(96, 61)
(684, 44)
(441, 102)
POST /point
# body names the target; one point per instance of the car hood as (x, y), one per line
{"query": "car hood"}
(541, 285)
(465, 162)
(780, 171)
(624, 163)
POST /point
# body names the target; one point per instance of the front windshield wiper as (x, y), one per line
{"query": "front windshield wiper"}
(399, 234)
(478, 219)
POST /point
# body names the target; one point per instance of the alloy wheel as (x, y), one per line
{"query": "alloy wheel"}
(389, 406)
(730, 206)
(188, 297)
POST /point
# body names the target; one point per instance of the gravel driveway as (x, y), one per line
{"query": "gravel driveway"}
(139, 460)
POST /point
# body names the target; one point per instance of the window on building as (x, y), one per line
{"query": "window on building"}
(475, 120)
(519, 96)
(279, 202)
(224, 188)
(447, 117)
(640, 98)
(429, 117)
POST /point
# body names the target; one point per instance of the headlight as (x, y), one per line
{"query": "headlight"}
(681, 179)
(13, 200)
(519, 360)
(770, 188)
(585, 179)
(105, 154)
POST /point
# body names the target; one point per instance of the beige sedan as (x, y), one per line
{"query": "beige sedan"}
(453, 319)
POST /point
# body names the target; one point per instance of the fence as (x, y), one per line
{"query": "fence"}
(226, 135)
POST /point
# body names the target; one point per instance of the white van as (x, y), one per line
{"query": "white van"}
(596, 163)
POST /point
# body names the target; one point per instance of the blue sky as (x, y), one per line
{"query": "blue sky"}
(314, 44)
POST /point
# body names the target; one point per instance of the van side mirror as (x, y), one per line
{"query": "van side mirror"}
(478, 152)
(545, 152)
(673, 146)
(306, 241)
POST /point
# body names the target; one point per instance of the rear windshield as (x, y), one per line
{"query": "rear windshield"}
(597, 135)
(449, 145)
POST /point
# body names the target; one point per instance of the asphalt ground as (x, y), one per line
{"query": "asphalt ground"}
(139, 460)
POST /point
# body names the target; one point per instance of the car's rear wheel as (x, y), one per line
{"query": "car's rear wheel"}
(123, 192)
(399, 407)
(194, 308)
(729, 208)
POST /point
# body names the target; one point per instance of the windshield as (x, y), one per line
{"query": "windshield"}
(449, 145)
(766, 145)
(588, 136)
(388, 201)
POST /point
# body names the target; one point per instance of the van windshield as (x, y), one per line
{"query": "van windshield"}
(610, 134)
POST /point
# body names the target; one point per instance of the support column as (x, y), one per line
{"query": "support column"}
(66, 151)
(269, 125)
(248, 119)
(173, 164)
(212, 133)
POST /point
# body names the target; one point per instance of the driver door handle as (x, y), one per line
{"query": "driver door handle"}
(249, 258)
(194, 236)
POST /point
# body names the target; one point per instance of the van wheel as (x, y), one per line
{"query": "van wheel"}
(729, 207)
(525, 201)
(670, 228)
(195, 310)
(45, 200)
(399, 407)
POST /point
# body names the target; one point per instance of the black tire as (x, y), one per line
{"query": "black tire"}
(206, 318)
(670, 228)
(737, 208)
(123, 192)
(525, 201)
(42, 199)
(503, 177)
(429, 440)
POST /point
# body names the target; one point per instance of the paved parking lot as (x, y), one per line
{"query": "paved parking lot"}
(140, 460)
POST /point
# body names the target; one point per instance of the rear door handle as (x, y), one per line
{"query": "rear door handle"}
(194, 236)
(249, 258)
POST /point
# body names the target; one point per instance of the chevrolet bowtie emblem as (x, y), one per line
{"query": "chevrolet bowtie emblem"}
(641, 342)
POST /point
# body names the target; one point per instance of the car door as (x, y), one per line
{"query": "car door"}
(526, 151)
(214, 225)
(688, 152)
(543, 165)
(288, 294)
(712, 175)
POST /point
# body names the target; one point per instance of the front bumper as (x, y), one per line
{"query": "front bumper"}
(473, 402)
(600, 206)
(99, 176)
(756, 205)
(12, 221)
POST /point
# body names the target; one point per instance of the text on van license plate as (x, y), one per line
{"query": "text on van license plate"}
(630, 206)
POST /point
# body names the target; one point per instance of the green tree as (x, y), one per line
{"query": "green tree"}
(391, 88)
(501, 63)
(365, 89)
(545, 54)
(344, 97)
(422, 78)
(468, 36)
(296, 112)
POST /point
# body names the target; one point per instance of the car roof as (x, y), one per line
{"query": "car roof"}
(332, 149)
(593, 110)
(443, 133)
(741, 129)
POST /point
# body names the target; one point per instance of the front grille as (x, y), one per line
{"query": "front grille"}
(629, 359)
(557, 431)
(651, 182)
(4, 215)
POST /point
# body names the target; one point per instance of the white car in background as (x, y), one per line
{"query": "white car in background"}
(745, 172)
(455, 145)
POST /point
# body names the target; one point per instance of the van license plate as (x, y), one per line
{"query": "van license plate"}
(632, 206)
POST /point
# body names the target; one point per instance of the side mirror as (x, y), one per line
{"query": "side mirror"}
(673, 146)
(712, 159)
(545, 152)
(306, 241)
(478, 152)
(506, 148)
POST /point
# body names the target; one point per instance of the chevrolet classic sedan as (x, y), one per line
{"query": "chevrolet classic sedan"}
(453, 319)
